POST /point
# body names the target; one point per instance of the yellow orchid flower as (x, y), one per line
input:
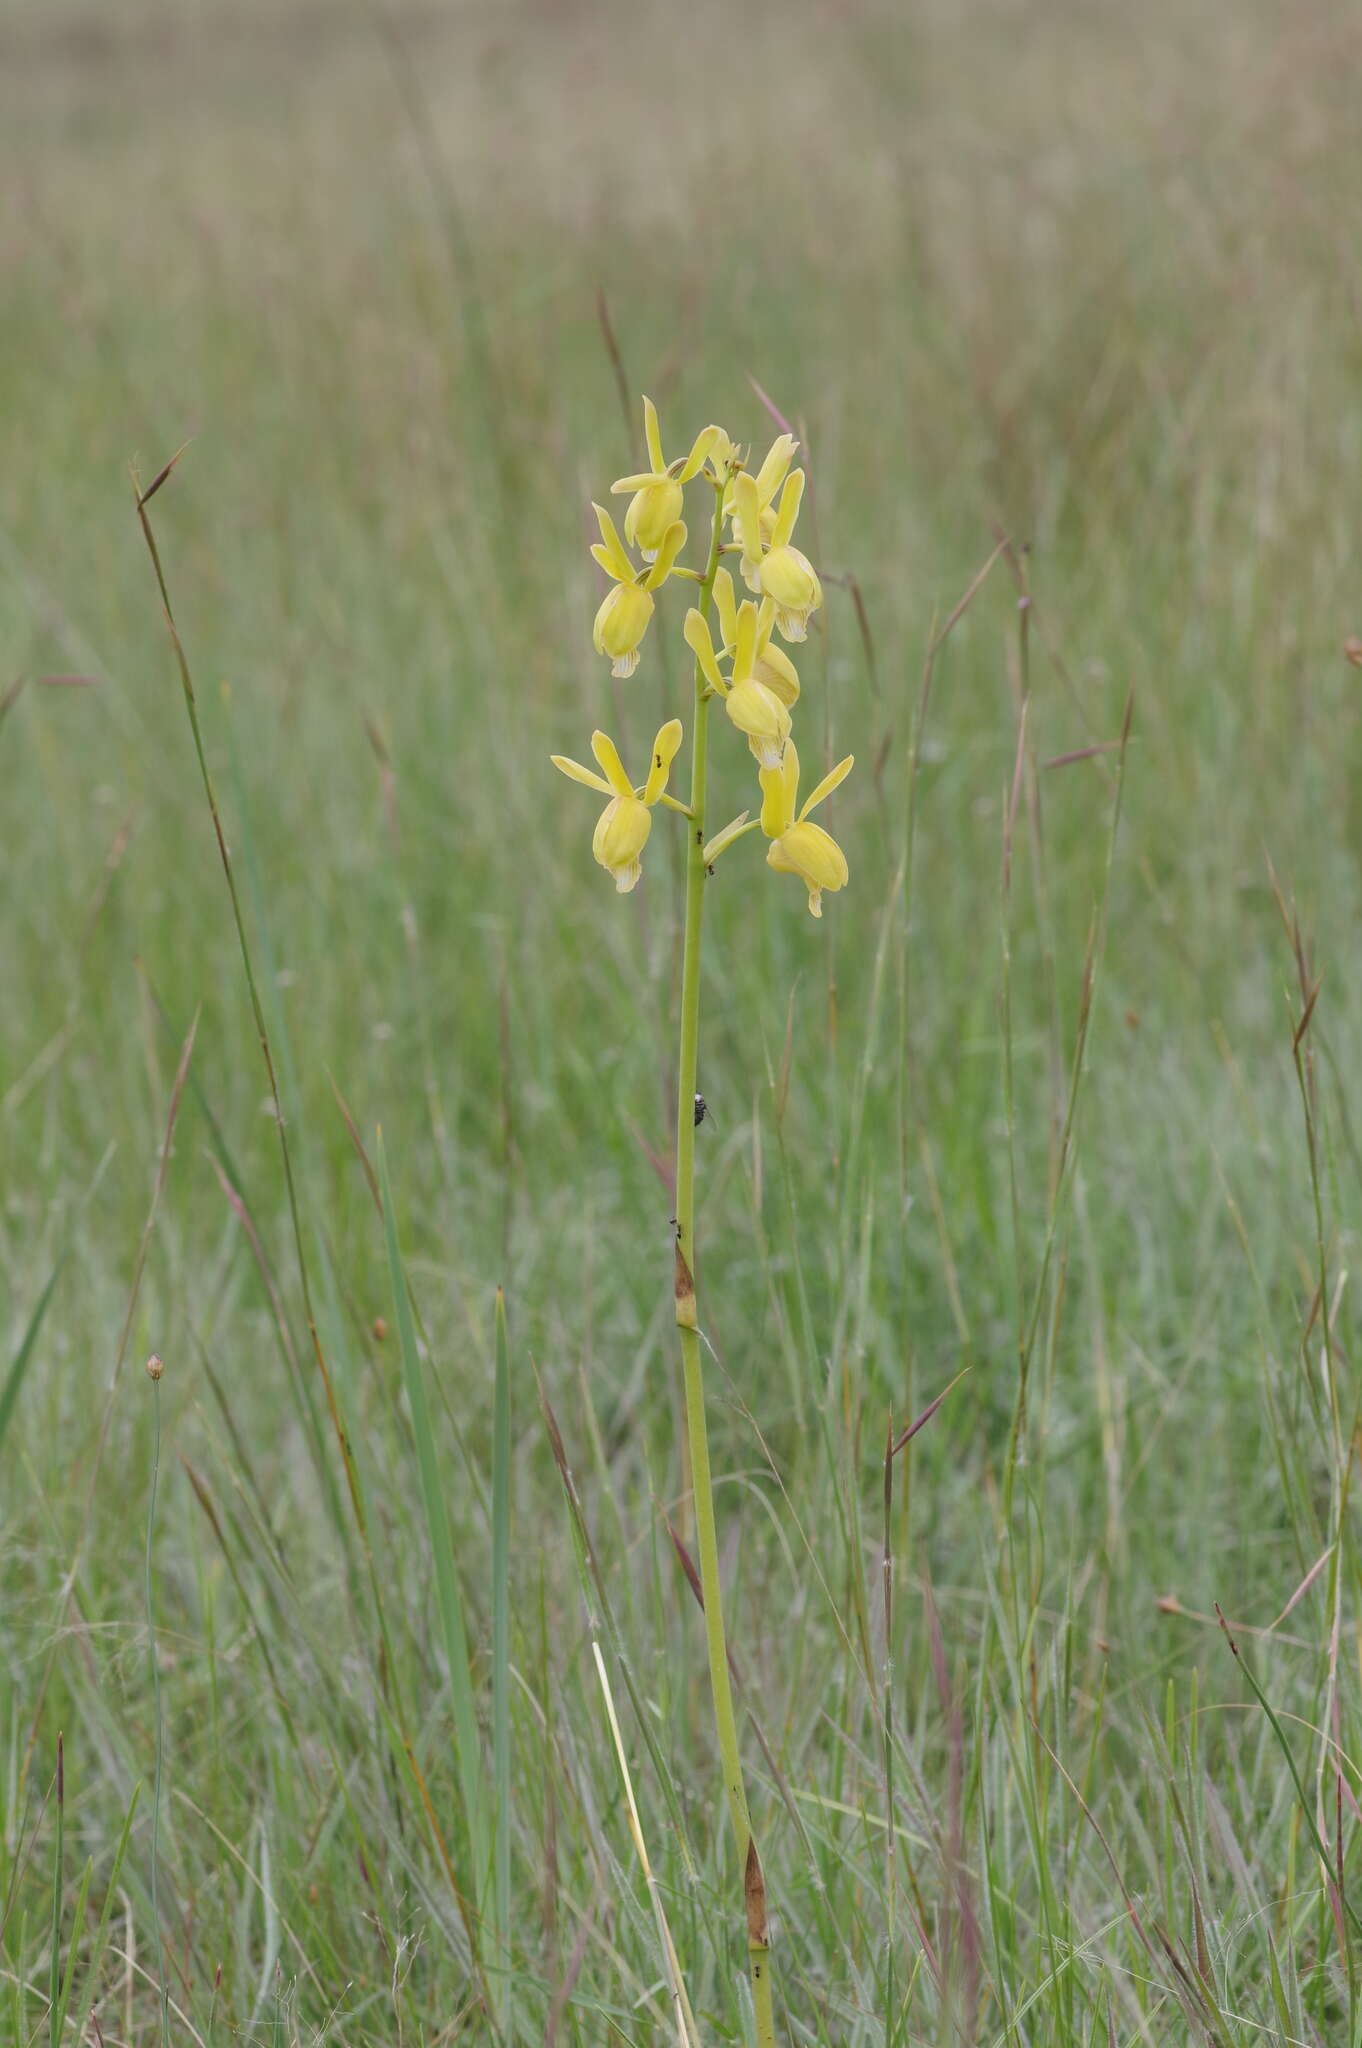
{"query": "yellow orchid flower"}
(770, 564)
(754, 707)
(623, 826)
(625, 611)
(798, 848)
(657, 491)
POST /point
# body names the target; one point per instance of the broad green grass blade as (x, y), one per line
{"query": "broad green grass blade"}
(14, 1378)
(467, 1746)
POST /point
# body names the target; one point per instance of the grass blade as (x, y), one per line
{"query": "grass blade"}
(501, 1647)
(54, 1973)
(14, 1378)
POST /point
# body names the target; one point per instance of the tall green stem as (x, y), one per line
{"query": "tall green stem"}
(688, 1325)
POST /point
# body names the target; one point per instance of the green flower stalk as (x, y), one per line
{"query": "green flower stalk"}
(758, 691)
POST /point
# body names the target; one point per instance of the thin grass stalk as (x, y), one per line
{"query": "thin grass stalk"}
(890, 1871)
(54, 1970)
(1340, 1478)
(257, 1009)
(697, 1435)
(501, 1654)
(154, 1663)
(686, 2035)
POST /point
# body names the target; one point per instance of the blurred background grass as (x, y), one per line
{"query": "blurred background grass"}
(1077, 275)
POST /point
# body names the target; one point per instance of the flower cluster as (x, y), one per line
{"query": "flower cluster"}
(744, 667)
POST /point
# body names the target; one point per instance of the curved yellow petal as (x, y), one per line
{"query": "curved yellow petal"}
(665, 748)
(620, 837)
(779, 791)
(701, 448)
(775, 669)
(621, 624)
(747, 521)
(652, 510)
(668, 548)
(828, 784)
(575, 771)
(745, 642)
(607, 753)
(814, 855)
(790, 500)
(727, 607)
(613, 558)
(652, 434)
(779, 456)
(788, 577)
(762, 717)
(697, 636)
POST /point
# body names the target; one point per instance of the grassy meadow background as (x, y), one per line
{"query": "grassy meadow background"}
(1082, 277)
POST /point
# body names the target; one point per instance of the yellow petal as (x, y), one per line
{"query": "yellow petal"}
(779, 790)
(621, 624)
(779, 456)
(814, 855)
(668, 548)
(789, 578)
(828, 784)
(745, 642)
(575, 770)
(652, 434)
(639, 481)
(728, 610)
(613, 560)
(696, 631)
(607, 753)
(665, 748)
(651, 511)
(701, 447)
(747, 520)
(764, 719)
(620, 837)
(775, 669)
(790, 500)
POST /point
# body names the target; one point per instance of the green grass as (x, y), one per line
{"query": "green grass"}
(1081, 278)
